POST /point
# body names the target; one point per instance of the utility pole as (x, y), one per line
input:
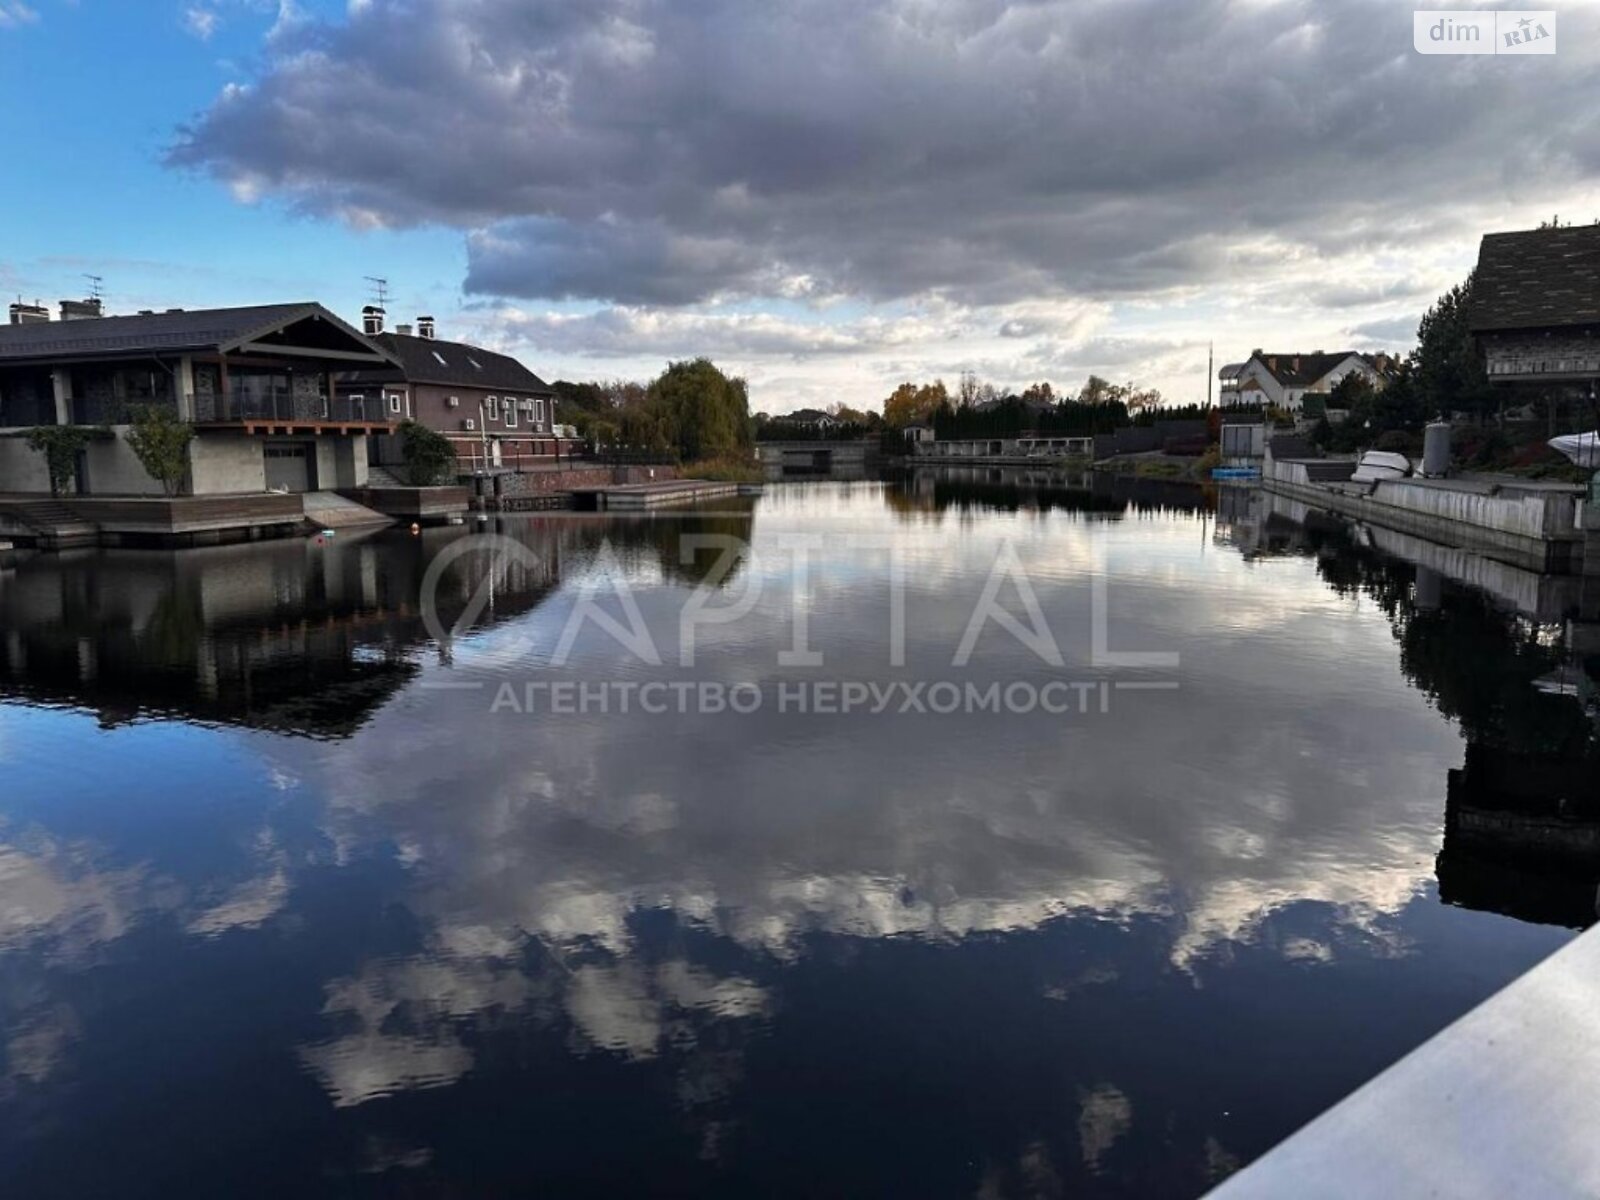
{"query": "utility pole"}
(1211, 362)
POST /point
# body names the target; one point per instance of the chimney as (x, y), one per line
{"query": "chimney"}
(80, 310)
(371, 320)
(425, 327)
(28, 314)
(403, 330)
(1296, 363)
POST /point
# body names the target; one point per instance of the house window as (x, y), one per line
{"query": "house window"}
(394, 402)
(538, 412)
(511, 413)
(491, 409)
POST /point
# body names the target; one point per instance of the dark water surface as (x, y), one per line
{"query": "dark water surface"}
(287, 908)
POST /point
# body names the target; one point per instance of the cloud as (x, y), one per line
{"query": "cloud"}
(613, 151)
(201, 22)
(1388, 330)
(635, 330)
(14, 14)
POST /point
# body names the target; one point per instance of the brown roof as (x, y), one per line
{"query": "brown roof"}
(1539, 278)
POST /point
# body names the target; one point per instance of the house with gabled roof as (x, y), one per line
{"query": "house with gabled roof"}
(1536, 305)
(257, 382)
(495, 410)
(1284, 380)
(810, 418)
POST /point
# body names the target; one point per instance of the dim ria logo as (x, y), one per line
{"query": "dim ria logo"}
(1471, 31)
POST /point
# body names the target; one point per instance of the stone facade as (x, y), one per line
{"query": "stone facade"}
(545, 483)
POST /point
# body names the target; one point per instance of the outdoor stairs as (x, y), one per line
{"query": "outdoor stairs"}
(382, 477)
(50, 523)
(329, 510)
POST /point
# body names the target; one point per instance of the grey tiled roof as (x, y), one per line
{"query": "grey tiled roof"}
(451, 364)
(191, 329)
(1537, 278)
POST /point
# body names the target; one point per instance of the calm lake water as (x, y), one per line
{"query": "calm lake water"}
(298, 899)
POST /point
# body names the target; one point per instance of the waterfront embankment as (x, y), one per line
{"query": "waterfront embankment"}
(1533, 525)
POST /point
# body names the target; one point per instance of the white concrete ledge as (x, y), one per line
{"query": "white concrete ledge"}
(1504, 1103)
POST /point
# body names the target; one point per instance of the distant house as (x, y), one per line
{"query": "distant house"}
(811, 418)
(257, 382)
(918, 433)
(495, 410)
(1536, 305)
(1284, 380)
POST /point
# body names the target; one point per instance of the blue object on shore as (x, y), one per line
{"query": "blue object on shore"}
(1236, 472)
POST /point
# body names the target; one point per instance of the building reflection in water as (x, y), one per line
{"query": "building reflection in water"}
(472, 950)
(1508, 654)
(1009, 489)
(305, 637)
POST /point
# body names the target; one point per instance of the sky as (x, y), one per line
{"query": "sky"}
(826, 196)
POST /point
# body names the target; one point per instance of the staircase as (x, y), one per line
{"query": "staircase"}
(50, 524)
(383, 477)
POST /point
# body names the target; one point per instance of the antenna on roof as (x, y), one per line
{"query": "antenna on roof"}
(96, 287)
(380, 291)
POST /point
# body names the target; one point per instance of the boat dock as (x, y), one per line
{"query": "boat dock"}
(641, 497)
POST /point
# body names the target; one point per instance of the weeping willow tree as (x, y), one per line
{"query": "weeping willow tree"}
(704, 412)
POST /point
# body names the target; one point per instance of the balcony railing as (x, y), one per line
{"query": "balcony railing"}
(288, 407)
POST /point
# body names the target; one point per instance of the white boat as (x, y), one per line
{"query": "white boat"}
(1378, 465)
(1581, 448)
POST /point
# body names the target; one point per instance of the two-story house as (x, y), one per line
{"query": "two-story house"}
(1284, 380)
(496, 411)
(257, 383)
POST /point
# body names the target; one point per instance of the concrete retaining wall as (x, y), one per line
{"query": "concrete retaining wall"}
(1532, 531)
(22, 469)
(226, 462)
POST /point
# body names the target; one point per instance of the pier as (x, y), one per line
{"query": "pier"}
(640, 497)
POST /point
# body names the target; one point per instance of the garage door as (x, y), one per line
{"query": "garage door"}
(289, 466)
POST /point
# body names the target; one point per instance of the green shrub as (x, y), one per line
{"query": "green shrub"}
(430, 458)
(161, 443)
(726, 469)
(60, 445)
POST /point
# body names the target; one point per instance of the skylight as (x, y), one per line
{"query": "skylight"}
(442, 362)
(476, 365)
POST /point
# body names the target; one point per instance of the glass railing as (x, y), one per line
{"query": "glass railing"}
(286, 406)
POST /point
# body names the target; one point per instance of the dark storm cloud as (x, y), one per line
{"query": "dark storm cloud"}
(1388, 331)
(668, 151)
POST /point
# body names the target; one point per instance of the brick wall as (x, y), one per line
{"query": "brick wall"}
(544, 483)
